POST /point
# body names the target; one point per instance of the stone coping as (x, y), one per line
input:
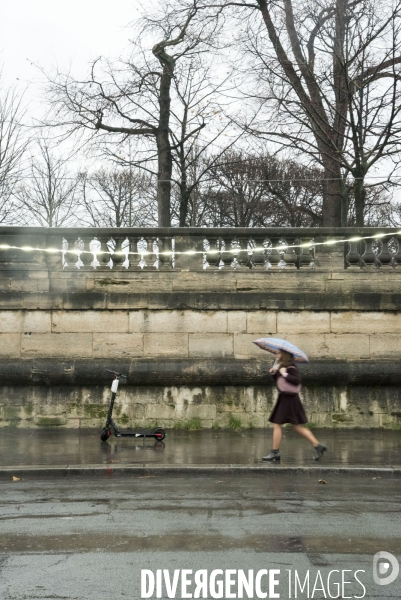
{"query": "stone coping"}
(182, 372)
(201, 300)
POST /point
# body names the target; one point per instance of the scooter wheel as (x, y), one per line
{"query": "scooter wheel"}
(159, 434)
(104, 436)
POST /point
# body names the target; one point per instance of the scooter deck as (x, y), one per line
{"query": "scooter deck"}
(135, 435)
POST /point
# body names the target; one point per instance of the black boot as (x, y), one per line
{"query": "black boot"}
(320, 449)
(274, 455)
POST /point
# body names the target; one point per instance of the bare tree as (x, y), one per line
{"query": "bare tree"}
(328, 82)
(260, 190)
(13, 144)
(118, 198)
(201, 103)
(48, 195)
(120, 99)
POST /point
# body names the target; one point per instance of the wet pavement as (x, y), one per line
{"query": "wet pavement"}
(68, 447)
(77, 539)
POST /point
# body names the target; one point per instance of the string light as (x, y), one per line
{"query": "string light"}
(281, 248)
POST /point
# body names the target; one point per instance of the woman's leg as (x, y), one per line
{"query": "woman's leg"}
(277, 435)
(307, 434)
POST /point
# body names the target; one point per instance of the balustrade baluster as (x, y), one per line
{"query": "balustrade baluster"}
(211, 256)
(165, 253)
(95, 247)
(108, 256)
(157, 248)
(290, 257)
(235, 253)
(258, 257)
(250, 254)
(142, 247)
(369, 257)
(225, 256)
(64, 250)
(385, 257)
(79, 247)
(397, 255)
(353, 257)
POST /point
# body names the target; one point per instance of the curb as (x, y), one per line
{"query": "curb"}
(6, 473)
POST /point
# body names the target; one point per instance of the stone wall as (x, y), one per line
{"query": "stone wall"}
(183, 331)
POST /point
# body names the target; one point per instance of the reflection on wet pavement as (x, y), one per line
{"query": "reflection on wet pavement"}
(376, 448)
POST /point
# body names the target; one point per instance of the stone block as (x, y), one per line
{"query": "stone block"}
(347, 346)
(121, 301)
(5, 284)
(130, 286)
(262, 322)
(201, 411)
(117, 345)
(24, 285)
(10, 345)
(43, 285)
(48, 345)
(176, 321)
(244, 348)
(385, 346)
(90, 321)
(68, 285)
(236, 321)
(211, 344)
(166, 344)
(84, 301)
(36, 321)
(159, 412)
(365, 322)
(10, 321)
(210, 281)
(313, 344)
(43, 301)
(302, 322)
(12, 300)
(281, 281)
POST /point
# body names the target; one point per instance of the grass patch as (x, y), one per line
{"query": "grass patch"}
(310, 425)
(234, 424)
(190, 425)
(216, 425)
(124, 419)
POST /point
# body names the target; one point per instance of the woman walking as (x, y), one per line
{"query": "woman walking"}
(289, 408)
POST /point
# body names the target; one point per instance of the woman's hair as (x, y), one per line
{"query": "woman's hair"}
(287, 358)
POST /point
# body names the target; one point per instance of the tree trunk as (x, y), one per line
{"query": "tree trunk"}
(164, 179)
(165, 167)
(359, 199)
(184, 201)
(332, 195)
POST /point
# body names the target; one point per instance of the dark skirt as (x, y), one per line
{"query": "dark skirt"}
(288, 409)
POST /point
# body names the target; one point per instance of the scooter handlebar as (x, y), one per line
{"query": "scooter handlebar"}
(117, 374)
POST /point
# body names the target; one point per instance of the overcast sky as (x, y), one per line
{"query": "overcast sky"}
(51, 32)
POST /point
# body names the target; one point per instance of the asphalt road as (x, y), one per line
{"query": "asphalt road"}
(89, 539)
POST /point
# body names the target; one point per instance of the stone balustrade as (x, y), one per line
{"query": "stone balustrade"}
(146, 249)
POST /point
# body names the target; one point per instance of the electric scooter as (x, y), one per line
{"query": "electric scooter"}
(158, 434)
